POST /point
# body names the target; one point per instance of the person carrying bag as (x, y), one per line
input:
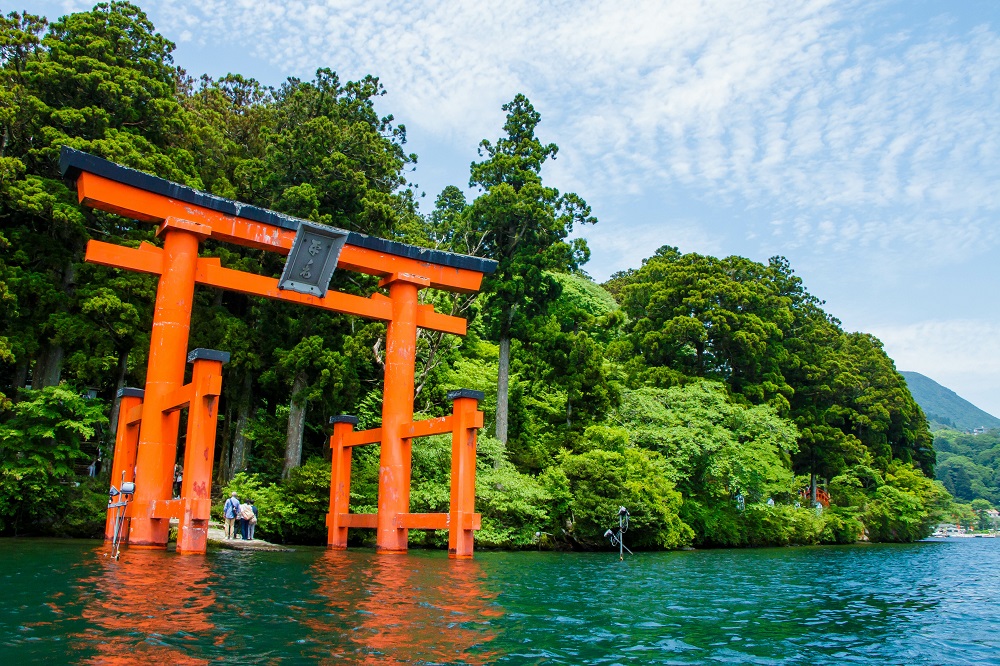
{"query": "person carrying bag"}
(230, 510)
(247, 514)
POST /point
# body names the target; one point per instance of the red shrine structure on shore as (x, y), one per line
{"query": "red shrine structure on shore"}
(146, 441)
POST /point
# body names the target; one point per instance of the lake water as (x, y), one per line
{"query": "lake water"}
(933, 603)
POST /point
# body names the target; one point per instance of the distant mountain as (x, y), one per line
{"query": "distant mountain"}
(944, 407)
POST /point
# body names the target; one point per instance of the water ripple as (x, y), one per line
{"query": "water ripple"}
(929, 603)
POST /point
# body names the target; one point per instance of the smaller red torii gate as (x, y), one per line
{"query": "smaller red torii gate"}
(146, 442)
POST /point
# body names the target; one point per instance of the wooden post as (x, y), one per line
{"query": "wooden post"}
(167, 359)
(199, 452)
(340, 481)
(397, 411)
(463, 472)
(126, 443)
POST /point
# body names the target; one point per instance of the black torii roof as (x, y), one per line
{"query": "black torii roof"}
(72, 162)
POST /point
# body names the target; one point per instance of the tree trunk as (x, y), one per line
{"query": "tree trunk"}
(241, 446)
(20, 375)
(222, 470)
(48, 367)
(503, 388)
(812, 489)
(119, 385)
(296, 425)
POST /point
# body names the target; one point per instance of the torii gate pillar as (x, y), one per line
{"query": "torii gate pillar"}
(164, 375)
(397, 411)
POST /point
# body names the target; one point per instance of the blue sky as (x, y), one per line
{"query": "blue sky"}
(858, 139)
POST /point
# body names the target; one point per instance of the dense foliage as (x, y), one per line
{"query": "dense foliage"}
(711, 396)
(969, 465)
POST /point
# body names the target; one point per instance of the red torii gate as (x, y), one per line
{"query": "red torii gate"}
(146, 443)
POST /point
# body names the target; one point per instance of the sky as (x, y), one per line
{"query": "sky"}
(861, 140)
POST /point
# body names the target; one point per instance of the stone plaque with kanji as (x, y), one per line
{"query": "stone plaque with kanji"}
(313, 258)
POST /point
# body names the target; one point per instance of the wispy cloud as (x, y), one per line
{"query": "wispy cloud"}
(853, 136)
(787, 105)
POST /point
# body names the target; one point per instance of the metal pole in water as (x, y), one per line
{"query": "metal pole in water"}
(621, 540)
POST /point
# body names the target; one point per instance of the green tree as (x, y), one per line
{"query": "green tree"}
(981, 507)
(600, 481)
(41, 440)
(715, 449)
(524, 225)
(100, 81)
(721, 319)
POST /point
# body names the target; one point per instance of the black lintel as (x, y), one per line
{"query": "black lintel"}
(466, 393)
(129, 392)
(72, 162)
(344, 418)
(208, 355)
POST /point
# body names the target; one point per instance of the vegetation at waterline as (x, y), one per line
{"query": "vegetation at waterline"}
(691, 389)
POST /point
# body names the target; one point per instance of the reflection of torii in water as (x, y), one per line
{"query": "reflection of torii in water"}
(382, 610)
(146, 607)
(149, 419)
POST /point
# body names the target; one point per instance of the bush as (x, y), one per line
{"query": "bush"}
(292, 511)
(307, 491)
(714, 525)
(841, 526)
(782, 525)
(41, 439)
(722, 525)
(601, 481)
(514, 506)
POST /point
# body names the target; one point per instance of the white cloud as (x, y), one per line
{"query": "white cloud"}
(789, 105)
(860, 137)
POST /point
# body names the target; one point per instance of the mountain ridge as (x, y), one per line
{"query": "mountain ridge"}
(944, 407)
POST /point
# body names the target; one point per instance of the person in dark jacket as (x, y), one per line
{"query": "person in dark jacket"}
(231, 511)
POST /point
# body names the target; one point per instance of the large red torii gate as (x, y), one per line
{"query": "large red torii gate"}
(146, 443)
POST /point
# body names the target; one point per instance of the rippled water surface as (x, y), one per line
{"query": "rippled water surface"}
(933, 603)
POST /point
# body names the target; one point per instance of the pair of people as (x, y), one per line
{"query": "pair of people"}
(241, 518)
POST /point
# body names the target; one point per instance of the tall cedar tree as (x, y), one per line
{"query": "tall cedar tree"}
(100, 81)
(525, 225)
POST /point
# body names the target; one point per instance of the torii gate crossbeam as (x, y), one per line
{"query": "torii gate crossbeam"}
(146, 445)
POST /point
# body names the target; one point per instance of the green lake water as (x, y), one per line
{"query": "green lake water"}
(934, 603)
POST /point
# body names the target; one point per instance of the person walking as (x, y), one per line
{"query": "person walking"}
(230, 510)
(253, 522)
(248, 519)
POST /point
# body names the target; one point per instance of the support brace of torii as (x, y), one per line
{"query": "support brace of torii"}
(146, 444)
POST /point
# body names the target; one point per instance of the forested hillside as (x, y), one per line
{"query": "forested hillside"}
(691, 389)
(969, 465)
(945, 408)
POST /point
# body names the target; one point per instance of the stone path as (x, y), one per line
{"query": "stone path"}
(217, 537)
